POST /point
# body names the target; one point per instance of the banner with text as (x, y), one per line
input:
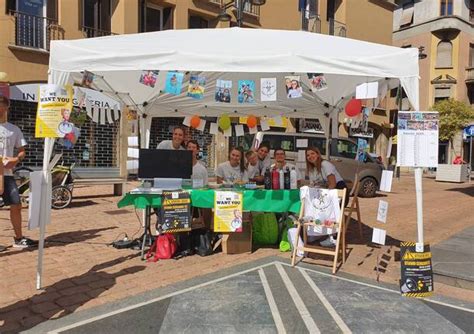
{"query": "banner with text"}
(227, 211)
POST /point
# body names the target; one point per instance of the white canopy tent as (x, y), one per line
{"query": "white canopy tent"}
(230, 54)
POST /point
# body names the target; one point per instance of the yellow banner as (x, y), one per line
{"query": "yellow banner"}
(227, 211)
(54, 111)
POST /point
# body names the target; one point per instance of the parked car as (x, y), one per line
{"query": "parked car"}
(342, 154)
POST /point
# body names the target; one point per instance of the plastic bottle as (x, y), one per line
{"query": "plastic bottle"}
(275, 179)
(293, 179)
(282, 178)
(287, 178)
(267, 179)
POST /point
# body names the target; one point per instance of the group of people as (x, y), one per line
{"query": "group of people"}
(251, 166)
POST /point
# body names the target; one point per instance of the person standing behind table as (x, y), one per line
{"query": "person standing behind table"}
(252, 166)
(234, 169)
(264, 160)
(199, 171)
(177, 143)
(280, 163)
(11, 137)
(322, 173)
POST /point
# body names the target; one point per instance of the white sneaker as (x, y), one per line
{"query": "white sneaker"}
(328, 242)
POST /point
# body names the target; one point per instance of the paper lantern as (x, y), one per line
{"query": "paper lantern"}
(224, 122)
(195, 121)
(353, 107)
(251, 121)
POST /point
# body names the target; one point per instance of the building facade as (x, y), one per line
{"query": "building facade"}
(443, 31)
(28, 26)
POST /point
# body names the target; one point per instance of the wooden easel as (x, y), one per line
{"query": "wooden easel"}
(354, 207)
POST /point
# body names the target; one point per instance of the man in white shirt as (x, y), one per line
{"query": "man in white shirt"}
(252, 166)
(199, 171)
(11, 138)
(176, 143)
(280, 163)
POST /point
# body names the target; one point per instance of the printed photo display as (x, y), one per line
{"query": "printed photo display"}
(196, 86)
(174, 83)
(246, 92)
(148, 78)
(317, 81)
(293, 87)
(268, 89)
(87, 79)
(223, 91)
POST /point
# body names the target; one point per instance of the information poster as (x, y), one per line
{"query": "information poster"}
(417, 271)
(54, 111)
(417, 144)
(175, 211)
(227, 211)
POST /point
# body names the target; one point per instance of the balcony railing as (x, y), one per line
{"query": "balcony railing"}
(95, 32)
(248, 7)
(470, 75)
(337, 28)
(310, 22)
(36, 32)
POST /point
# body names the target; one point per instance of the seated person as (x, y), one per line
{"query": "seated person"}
(280, 163)
(199, 171)
(252, 166)
(233, 170)
(264, 160)
(177, 143)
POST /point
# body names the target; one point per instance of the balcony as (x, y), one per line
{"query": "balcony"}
(35, 32)
(310, 22)
(470, 75)
(95, 32)
(248, 7)
(337, 28)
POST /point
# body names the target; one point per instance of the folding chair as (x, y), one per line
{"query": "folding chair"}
(354, 207)
(301, 223)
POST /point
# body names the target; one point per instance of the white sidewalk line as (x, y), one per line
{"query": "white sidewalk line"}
(342, 325)
(305, 315)
(271, 302)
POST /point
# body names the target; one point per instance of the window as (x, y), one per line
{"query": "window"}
(197, 22)
(157, 18)
(345, 149)
(442, 93)
(470, 94)
(407, 14)
(446, 7)
(444, 54)
(96, 17)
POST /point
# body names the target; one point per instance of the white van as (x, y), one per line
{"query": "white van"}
(342, 154)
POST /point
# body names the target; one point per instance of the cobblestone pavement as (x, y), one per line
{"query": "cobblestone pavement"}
(81, 270)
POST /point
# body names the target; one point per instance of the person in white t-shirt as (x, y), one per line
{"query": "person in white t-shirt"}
(199, 171)
(11, 138)
(280, 163)
(252, 166)
(233, 170)
(264, 160)
(177, 143)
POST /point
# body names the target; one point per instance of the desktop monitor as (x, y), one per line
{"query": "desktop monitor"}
(153, 163)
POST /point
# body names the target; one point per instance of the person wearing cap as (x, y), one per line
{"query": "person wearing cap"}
(11, 138)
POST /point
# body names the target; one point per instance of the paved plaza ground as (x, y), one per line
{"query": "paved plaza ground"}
(81, 270)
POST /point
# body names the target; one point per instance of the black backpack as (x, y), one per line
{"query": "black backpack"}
(202, 242)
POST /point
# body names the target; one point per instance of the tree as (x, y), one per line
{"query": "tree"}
(453, 117)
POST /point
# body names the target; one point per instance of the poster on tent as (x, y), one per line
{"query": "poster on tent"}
(293, 87)
(54, 111)
(196, 86)
(268, 89)
(174, 83)
(246, 92)
(223, 91)
(317, 82)
(148, 78)
(361, 149)
(417, 139)
(228, 211)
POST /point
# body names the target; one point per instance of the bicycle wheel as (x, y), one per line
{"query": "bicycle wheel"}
(61, 197)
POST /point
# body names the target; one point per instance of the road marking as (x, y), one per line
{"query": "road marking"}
(271, 302)
(305, 315)
(384, 289)
(154, 300)
(342, 325)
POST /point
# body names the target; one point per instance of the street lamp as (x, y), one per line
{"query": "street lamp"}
(239, 5)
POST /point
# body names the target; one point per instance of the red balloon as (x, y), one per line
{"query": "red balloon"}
(353, 107)
(195, 121)
(251, 121)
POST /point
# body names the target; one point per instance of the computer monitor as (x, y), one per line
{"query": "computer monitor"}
(153, 163)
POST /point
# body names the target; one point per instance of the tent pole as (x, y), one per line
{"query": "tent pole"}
(419, 203)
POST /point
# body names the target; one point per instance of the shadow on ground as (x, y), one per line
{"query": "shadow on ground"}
(61, 298)
(467, 190)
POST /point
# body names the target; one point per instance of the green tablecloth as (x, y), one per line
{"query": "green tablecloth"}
(254, 200)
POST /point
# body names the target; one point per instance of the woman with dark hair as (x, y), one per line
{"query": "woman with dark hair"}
(233, 170)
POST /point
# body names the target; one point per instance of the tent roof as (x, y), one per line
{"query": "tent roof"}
(232, 54)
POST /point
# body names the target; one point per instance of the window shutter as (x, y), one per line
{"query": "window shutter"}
(105, 15)
(444, 54)
(168, 18)
(52, 9)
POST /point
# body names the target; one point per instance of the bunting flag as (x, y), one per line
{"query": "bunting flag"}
(88, 108)
(95, 115)
(102, 116)
(109, 116)
(116, 112)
